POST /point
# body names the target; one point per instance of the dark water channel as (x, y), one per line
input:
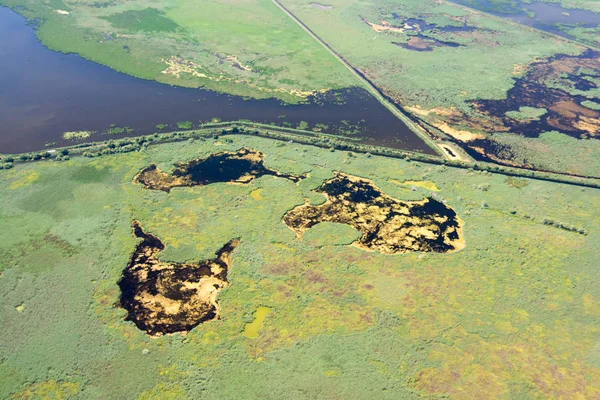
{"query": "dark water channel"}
(44, 94)
(539, 15)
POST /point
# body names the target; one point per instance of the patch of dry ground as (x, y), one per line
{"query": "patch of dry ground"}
(177, 66)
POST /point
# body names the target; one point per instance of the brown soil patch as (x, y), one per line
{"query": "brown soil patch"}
(388, 225)
(419, 43)
(165, 297)
(234, 167)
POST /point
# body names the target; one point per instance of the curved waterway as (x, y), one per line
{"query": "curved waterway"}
(44, 94)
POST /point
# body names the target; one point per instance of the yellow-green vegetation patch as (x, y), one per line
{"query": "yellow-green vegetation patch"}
(469, 75)
(252, 329)
(50, 390)
(77, 135)
(25, 179)
(514, 314)
(424, 184)
(527, 113)
(592, 105)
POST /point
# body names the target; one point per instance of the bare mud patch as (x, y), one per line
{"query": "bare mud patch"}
(387, 225)
(240, 167)
(166, 297)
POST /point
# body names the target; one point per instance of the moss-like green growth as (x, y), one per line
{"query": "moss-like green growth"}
(77, 135)
(527, 113)
(592, 105)
(148, 19)
(185, 124)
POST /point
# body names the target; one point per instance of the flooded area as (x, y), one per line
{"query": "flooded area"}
(44, 94)
(387, 225)
(163, 297)
(242, 166)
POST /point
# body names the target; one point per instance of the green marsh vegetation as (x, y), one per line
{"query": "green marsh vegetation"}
(342, 322)
(185, 124)
(592, 105)
(77, 135)
(527, 113)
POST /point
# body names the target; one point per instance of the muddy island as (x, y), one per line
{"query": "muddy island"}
(387, 225)
(167, 297)
(235, 167)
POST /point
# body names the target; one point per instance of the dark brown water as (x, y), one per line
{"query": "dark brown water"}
(44, 94)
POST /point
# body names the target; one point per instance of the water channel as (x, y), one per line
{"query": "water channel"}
(45, 93)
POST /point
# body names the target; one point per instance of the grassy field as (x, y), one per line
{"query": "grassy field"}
(513, 315)
(243, 47)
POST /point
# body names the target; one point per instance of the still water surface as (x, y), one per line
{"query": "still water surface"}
(44, 94)
(537, 14)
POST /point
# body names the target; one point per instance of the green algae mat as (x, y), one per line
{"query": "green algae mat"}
(242, 306)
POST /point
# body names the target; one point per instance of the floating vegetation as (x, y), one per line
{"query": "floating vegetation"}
(185, 124)
(166, 297)
(527, 113)
(118, 130)
(387, 225)
(77, 135)
(235, 167)
(592, 105)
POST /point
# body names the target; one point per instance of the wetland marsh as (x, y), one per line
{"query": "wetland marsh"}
(85, 302)
(240, 261)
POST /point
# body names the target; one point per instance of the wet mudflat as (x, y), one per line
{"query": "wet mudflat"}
(167, 297)
(387, 225)
(234, 167)
(44, 94)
